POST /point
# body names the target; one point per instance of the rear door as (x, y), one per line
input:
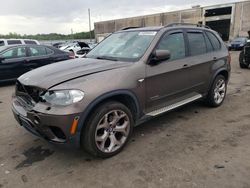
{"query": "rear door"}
(13, 65)
(199, 61)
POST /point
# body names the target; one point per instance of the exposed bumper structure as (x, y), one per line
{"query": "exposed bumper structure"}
(55, 129)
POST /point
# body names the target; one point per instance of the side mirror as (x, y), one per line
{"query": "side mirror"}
(160, 55)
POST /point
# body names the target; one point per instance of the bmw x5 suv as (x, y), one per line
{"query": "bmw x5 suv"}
(134, 74)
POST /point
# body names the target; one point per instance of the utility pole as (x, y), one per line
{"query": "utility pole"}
(90, 35)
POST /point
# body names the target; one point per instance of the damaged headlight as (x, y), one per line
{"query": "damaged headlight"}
(63, 97)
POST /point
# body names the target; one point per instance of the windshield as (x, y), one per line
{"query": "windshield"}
(123, 46)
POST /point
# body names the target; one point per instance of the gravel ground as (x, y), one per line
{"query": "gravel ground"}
(195, 146)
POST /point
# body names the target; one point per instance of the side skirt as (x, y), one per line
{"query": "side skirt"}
(168, 108)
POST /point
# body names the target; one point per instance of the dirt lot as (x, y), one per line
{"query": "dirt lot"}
(195, 146)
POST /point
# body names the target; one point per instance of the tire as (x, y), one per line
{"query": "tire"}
(241, 59)
(101, 137)
(217, 92)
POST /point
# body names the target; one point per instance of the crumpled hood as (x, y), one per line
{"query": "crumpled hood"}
(57, 73)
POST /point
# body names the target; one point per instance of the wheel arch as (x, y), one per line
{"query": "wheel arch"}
(125, 97)
(224, 72)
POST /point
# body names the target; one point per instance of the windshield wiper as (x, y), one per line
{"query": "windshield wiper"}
(107, 58)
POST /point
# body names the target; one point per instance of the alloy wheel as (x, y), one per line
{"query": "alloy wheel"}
(220, 91)
(112, 131)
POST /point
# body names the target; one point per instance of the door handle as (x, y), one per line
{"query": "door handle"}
(215, 59)
(185, 66)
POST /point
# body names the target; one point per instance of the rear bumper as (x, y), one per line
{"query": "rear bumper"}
(53, 128)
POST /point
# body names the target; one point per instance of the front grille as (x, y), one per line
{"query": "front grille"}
(28, 93)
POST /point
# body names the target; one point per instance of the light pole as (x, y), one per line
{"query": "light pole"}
(90, 35)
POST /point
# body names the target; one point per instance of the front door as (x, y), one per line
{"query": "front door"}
(13, 65)
(168, 80)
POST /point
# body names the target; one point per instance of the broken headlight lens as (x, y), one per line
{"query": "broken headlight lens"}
(63, 97)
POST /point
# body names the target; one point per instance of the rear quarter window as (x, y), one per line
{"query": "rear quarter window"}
(11, 42)
(214, 40)
(49, 51)
(1, 43)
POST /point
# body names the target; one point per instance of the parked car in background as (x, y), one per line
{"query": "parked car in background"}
(131, 76)
(7, 42)
(74, 47)
(81, 53)
(16, 60)
(244, 57)
(237, 43)
(58, 44)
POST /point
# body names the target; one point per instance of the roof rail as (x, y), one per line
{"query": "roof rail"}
(180, 24)
(127, 28)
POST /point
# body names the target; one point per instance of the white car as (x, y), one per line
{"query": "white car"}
(8, 42)
(74, 47)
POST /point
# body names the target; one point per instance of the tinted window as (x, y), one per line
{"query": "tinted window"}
(49, 51)
(15, 53)
(175, 44)
(209, 45)
(1, 43)
(38, 51)
(197, 44)
(214, 40)
(10, 42)
(29, 42)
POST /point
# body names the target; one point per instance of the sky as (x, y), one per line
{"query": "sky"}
(62, 16)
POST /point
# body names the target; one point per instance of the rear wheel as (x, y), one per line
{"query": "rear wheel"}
(243, 64)
(108, 130)
(217, 92)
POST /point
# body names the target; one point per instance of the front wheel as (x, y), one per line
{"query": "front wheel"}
(217, 92)
(108, 130)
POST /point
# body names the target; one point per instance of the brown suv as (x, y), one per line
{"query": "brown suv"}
(134, 74)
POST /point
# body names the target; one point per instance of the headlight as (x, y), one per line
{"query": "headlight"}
(63, 97)
(241, 44)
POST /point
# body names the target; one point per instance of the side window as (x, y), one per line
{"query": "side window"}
(197, 44)
(49, 51)
(29, 42)
(209, 45)
(175, 44)
(214, 40)
(11, 42)
(15, 53)
(1, 43)
(38, 51)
